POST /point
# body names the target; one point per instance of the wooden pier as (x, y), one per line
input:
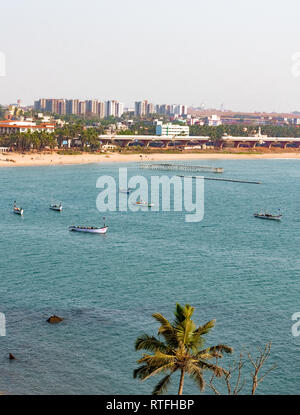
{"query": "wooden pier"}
(181, 167)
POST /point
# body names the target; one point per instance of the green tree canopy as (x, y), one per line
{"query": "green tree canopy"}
(178, 347)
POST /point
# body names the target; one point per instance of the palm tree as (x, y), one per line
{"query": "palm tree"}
(181, 349)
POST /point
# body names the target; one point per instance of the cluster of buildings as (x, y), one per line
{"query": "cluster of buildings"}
(144, 108)
(91, 107)
(215, 118)
(12, 126)
(105, 109)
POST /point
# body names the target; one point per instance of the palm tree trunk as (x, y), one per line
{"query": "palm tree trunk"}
(181, 382)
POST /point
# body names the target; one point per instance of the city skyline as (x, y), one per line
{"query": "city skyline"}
(232, 55)
(104, 109)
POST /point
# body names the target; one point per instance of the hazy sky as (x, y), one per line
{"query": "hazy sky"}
(232, 52)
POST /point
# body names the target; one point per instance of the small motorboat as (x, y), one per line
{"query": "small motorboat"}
(56, 207)
(18, 210)
(89, 229)
(127, 191)
(142, 203)
(269, 216)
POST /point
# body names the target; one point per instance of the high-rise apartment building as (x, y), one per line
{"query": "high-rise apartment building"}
(72, 106)
(140, 108)
(119, 109)
(114, 108)
(61, 106)
(82, 108)
(40, 105)
(101, 109)
(150, 109)
(91, 107)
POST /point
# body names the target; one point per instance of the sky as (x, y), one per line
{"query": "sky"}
(239, 55)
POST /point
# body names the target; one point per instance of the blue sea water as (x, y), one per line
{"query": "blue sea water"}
(241, 271)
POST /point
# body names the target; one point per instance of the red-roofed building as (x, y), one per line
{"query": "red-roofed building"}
(11, 127)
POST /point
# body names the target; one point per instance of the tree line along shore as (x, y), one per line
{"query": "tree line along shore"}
(86, 137)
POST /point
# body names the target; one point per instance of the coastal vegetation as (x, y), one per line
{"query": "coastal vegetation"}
(77, 134)
(244, 130)
(181, 349)
(234, 381)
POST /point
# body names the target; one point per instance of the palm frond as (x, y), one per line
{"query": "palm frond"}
(182, 313)
(162, 385)
(185, 332)
(141, 372)
(218, 370)
(215, 351)
(163, 368)
(205, 328)
(196, 374)
(162, 320)
(166, 330)
(157, 359)
(151, 344)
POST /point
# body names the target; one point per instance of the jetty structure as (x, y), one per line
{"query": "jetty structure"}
(181, 167)
(223, 179)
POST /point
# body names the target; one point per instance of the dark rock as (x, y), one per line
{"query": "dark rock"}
(55, 319)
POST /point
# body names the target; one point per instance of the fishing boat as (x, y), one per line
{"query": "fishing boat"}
(142, 203)
(18, 211)
(269, 216)
(89, 229)
(127, 191)
(56, 207)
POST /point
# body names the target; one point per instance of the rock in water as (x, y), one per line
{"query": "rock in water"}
(54, 319)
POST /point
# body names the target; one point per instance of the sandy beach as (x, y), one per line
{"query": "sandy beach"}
(47, 159)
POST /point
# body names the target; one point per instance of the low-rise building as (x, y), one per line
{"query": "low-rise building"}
(213, 121)
(11, 127)
(172, 129)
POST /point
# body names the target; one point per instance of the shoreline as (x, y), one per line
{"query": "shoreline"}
(52, 159)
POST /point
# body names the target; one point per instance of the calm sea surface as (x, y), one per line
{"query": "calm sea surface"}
(242, 271)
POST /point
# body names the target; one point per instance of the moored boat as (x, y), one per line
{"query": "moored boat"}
(142, 203)
(127, 191)
(89, 229)
(268, 216)
(56, 207)
(18, 210)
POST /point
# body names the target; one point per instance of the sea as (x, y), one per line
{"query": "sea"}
(241, 271)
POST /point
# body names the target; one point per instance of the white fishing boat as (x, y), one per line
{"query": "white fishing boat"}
(142, 203)
(56, 207)
(89, 229)
(268, 216)
(127, 191)
(18, 210)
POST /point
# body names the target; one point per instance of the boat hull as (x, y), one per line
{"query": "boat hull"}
(278, 218)
(144, 204)
(18, 212)
(57, 209)
(89, 230)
